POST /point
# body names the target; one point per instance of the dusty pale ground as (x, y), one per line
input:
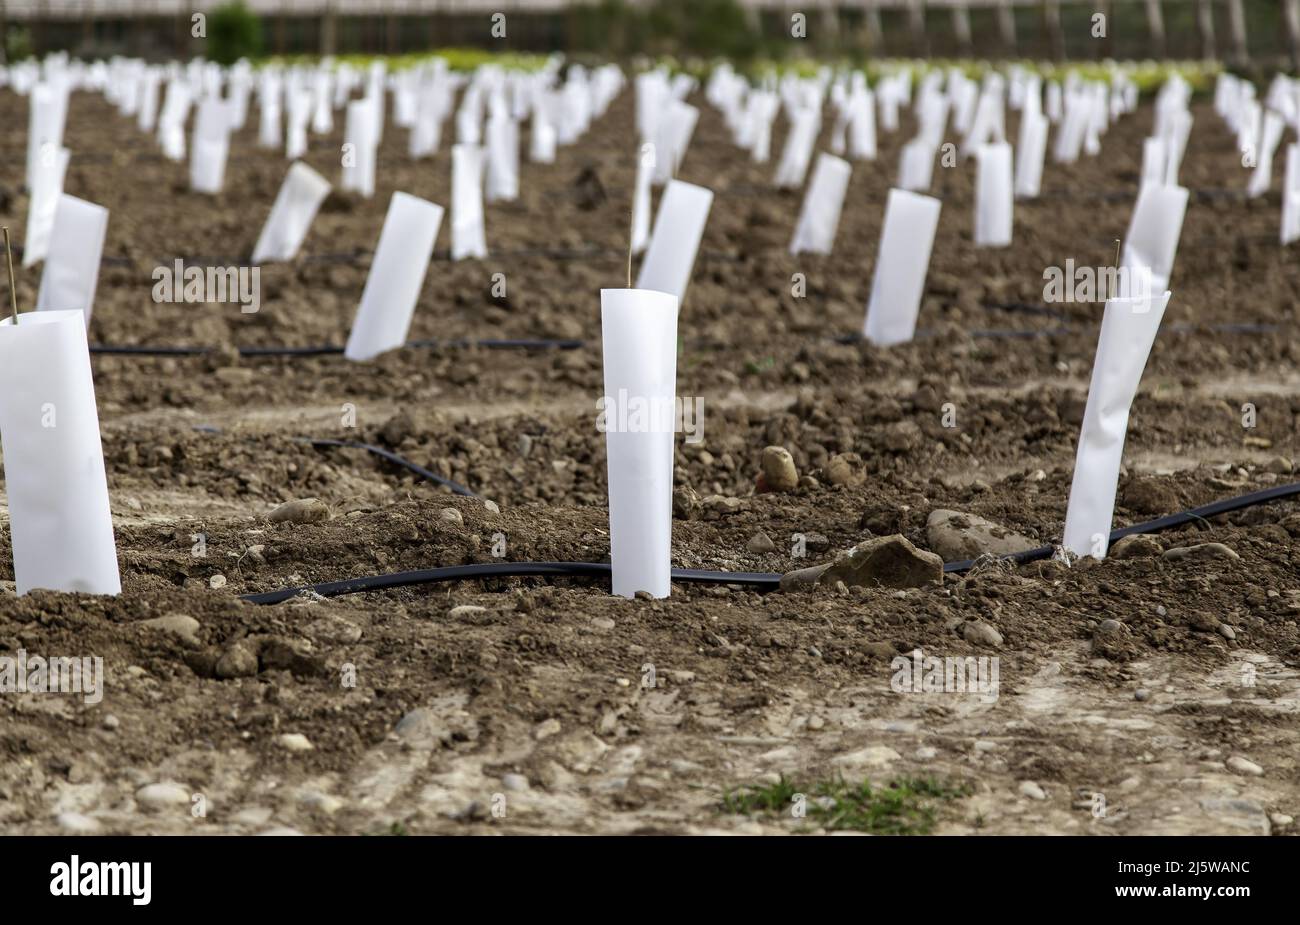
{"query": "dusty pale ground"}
(413, 710)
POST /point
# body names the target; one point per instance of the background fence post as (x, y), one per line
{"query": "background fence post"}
(1291, 20)
(1052, 25)
(961, 26)
(1205, 26)
(329, 30)
(1156, 28)
(875, 33)
(1007, 25)
(916, 24)
(1237, 32)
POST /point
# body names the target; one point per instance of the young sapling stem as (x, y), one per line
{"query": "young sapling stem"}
(13, 288)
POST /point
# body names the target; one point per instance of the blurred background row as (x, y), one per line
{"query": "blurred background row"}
(1248, 34)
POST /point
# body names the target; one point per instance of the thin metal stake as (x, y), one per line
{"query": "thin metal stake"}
(13, 287)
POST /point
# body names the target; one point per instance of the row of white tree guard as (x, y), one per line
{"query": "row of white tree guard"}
(57, 492)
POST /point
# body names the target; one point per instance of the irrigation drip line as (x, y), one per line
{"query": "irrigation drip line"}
(394, 458)
(379, 451)
(503, 570)
(750, 191)
(226, 260)
(549, 343)
(517, 343)
(551, 253)
(1205, 512)
(508, 343)
(762, 580)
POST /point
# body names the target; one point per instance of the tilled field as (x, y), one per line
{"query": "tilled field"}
(1165, 680)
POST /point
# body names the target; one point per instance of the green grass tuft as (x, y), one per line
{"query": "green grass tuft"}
(904, 806)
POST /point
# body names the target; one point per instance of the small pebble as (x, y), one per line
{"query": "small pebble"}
(760, 543)
(295, 742)
(979, 633)
(1031, 789)
(546, 729)
(77, 823)
(252, 815)
(1244, 766)
(301, 511)
(463, 611)
(1200, 551)
(185, 627)
(779, 472)
(325, 802)
(238, 661)
(161, 795)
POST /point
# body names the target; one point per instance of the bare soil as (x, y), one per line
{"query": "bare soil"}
(531, 709)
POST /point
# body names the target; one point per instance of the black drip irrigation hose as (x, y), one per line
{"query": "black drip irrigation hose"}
(519, 343)
(392, 457)
(762, 580)
(1062, 327)
(1205, 512)
(478, 570)
(352, 259)
(379, 451)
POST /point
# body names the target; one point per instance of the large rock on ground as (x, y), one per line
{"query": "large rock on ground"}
(957, 536)
(883, 562)
(779, 472)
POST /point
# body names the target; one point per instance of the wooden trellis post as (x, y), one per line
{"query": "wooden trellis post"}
(1156, 28)
(961, 26)
(830, 24)
(916, 25)
(37, 29)
(1291, 19)
(875, 33)
(1105, 46)
(88, 24)
(1052, 25)
(329, 30)
(1007, 24)
(1205, 26)
(1237, 31)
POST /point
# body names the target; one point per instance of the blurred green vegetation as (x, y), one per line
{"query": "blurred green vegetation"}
(234, 32)
(18, 43)
(458, 59)
(681, 28)
(693, 35)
